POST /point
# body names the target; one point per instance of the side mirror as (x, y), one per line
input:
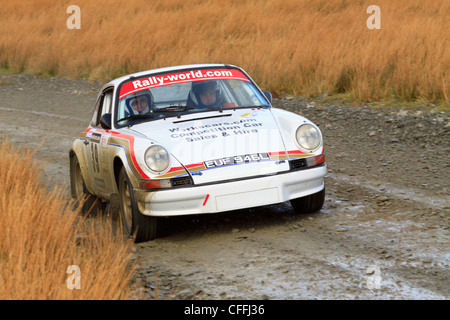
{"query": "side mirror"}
(105, 121)
(268, 96)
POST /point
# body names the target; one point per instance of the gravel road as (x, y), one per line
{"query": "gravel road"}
(383, 232)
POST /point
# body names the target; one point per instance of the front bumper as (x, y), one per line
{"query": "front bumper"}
(232, 195)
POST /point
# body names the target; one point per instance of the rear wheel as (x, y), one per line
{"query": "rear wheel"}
(133, 221)
(309, 204)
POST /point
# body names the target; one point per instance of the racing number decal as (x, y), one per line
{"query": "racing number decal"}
(94, 156)
(95, 141)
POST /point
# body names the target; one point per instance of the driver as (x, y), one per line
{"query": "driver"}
(140, 104)
(205, 94)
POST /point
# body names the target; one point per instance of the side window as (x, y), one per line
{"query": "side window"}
(106, 106)
(103, 106)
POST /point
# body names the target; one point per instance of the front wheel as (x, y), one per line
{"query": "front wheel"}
(309, 204)
(133, 221)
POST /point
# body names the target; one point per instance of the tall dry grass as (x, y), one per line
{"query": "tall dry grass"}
(38, 234)
(299, 46)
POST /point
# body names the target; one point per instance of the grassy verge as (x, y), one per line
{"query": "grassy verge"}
(41, 237)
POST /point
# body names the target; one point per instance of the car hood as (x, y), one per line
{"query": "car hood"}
(217, 146)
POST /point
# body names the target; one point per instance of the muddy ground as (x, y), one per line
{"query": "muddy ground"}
(387, 206)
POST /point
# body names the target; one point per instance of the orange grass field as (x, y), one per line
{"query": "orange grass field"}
(303, 47)
(38, 241)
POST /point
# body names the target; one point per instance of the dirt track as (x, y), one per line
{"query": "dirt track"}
(387, 205)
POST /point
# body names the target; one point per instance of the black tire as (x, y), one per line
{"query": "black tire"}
(79, 192)
(133, 221)
(309, 204)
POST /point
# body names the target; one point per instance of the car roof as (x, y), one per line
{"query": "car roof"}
(117, 81)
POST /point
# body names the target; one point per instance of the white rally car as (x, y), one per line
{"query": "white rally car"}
(194, 139)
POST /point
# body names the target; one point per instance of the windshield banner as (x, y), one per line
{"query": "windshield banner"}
(181, 77)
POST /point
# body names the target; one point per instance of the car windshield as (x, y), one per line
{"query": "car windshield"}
(175, 94)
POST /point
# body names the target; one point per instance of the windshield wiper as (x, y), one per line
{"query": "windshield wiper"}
(137, 117)
(183, 109)
(171, 109)
(251, 107)
(178, 111)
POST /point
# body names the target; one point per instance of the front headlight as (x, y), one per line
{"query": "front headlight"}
(308, 137)
(157, 158)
